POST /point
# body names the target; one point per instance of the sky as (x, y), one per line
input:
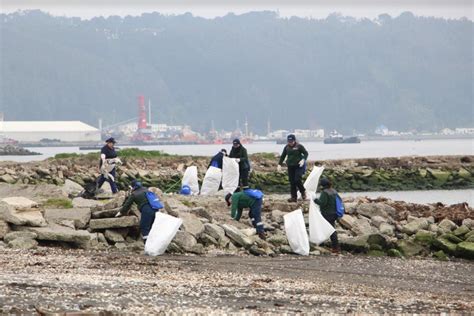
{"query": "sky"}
(86, 9)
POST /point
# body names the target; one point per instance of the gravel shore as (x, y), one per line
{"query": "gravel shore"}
(52, 280)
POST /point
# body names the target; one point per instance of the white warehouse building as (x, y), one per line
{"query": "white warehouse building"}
(35, 131)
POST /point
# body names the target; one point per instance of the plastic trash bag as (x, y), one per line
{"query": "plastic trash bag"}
(230, 175)
(161, 234)
(296, 232)
(190, 178)
(312, 181)
(319, 228)
(212, 181)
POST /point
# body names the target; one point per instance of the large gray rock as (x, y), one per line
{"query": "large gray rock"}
(22, 243)
(104, 213)
(347, 221)
(7, 179)
(20, 203)
(355, 244)
(30, 217)
(447, 225)
(80, 202)
(185, 241)
(208, 240)
(378, 220)
(415, 225)
(72, 188)
(362, 227)
(21, 234)
(387, 229)
(4, 229)
(469, 222)
(54, 232)
(214, 231)
(116, 222)
(375, 209)
(113, 236)
(80, 216)
(277, 216)
(237, 236)
(192, 224)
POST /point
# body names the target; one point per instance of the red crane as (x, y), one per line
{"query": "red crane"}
(143, 132)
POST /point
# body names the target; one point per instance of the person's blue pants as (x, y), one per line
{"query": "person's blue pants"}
(256, 215)
(147, 219)
(113, 185)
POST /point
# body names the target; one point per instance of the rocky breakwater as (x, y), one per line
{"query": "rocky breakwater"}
(377, 227)
(385, 174)
(11, 150)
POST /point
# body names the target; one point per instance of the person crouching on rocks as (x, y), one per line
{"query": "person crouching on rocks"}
(140, 198)
(241, 200)
(327, 204)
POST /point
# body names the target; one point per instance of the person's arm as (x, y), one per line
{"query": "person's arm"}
(304, 152)
(323, 199)
(127, 205)
(234, 212)
(282, 157)
(244, 157)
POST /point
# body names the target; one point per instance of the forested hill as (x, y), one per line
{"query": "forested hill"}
(405, 72)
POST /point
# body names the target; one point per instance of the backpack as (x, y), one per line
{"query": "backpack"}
(153, 200)
(340, 209)
(254, 193)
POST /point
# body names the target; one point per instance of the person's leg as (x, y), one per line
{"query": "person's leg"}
(291, 178)
(299, 183)
(101, 181)
(244, 178)
(256, 215)
(334, 241)
(147, 219)
(113, 185)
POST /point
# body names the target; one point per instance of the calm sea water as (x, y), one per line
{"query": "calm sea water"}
(317, 150)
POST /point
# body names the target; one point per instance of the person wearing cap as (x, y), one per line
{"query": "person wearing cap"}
(218, 159)
(296, 156)
(241, 200)
(327, 204)
(108, 159)
(138, 197)
(239, 153)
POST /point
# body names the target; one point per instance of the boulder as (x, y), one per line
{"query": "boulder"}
(469, 222)
(415, 225)
(104, 214)
(278, 239)
(192, 224)
(387, 229)
(277, 216)
(113, 204)
(378, 239)
(80, 216)
(201, 212)
(21, 234)
(113, 236)
(214, 231)
(409, 248)
(7, 179)
(174, 206)
(375, 209)
(185, 241)
(236, 236)
(23, 243)
(447, 225)
(461, 231)
(452, 238)
(424, 237)
(445, 245)
(115, 222)
(362, 227)
(394, 253)
(355, 244)
(208, 240)
(4, 228)
(80, 202)
(72, 188)
(20, 203)
(465, 249)
(347, 221)
(378, 220)
(440, 255)
(31, 217)
(54, 232)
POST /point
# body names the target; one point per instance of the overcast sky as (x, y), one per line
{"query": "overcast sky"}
(213, 8)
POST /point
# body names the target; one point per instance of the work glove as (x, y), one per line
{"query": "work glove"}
(301, 163)
(279, 168)
(118, 214)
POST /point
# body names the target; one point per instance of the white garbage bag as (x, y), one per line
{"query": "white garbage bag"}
(296, 232)
(212, 181)
(190, 178)
(161, 234)
(312, 181)
(230, 175)
(319, 228)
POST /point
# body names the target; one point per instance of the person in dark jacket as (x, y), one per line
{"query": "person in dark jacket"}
(327, 204)
(296, 156)
(239, 153)
(217, 160)
(239, 201)
(138, 197)
(107, 157)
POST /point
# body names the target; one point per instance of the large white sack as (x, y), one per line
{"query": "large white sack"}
(190, 178)
(212, 181)
(296, 232)
(230, 175)
(161, 234)
(319, 228)
(312, 181)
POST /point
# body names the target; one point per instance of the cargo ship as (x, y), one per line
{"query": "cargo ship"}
(336, 138)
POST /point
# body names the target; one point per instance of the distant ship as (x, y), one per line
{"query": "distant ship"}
(336, 138)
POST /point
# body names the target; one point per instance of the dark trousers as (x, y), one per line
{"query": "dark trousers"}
(244, 177)
(255, 215)
(331, 218)
(147, 219)
(295, 173)
(113, 185)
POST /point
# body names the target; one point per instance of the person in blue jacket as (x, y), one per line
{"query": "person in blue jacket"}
(218, 159)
